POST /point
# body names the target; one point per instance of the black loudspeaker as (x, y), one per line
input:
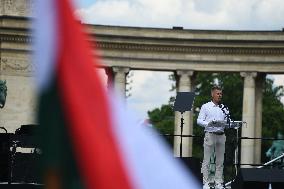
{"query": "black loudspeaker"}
(249, 178)
(193, 164)
(21, 186)
(24, 168)
(5, 157)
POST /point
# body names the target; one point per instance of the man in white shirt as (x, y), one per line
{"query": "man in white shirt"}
(212, 117)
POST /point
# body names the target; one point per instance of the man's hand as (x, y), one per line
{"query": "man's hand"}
(211, 124)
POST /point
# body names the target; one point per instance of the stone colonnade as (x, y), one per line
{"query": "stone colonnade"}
(252, 111)
(123, 48)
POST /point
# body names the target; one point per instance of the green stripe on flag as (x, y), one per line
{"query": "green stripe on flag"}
(55, 141)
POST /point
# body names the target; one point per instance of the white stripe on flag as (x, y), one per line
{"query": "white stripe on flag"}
(45, 35)
(149, 161)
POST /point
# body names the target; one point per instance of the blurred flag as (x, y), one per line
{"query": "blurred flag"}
(89, 140)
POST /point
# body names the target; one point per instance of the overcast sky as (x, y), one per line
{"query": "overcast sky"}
(191, 14)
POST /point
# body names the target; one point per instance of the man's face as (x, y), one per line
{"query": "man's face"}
(217, 95)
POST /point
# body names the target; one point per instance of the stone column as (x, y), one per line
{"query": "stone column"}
(110, 77)
(120, 79)
(247, 145)
(260, 79)
(184, 84)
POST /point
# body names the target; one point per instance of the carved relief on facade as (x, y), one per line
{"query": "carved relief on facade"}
(17, 7)
(17, 65)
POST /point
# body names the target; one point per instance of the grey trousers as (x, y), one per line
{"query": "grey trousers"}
(211, 142)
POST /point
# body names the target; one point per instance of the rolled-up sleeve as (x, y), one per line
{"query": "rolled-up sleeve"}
(202, 117)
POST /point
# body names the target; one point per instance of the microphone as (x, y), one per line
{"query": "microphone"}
(225, 110)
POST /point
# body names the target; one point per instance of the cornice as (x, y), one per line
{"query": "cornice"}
(15, 38)
(18, 18)
(190, 49)
(138, 38)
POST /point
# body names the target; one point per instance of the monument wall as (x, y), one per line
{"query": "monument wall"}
(15, 64)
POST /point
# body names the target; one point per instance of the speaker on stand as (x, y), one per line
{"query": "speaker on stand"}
(249, 178)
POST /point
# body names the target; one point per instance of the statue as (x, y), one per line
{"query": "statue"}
(277, 149)
(3, 93)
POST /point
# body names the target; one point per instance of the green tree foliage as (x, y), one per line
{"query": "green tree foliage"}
(273, 109)
(163, 119)
(273, 114)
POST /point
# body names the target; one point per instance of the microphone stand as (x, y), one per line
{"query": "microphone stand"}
(228, 117)
(181, 131)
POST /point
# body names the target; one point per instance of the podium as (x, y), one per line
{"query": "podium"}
(183, 103)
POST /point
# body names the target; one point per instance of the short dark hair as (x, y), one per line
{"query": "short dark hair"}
(216, 87)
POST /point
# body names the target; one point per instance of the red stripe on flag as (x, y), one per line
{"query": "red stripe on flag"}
(87, 108)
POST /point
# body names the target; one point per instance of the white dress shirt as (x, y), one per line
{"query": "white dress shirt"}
(211, 112)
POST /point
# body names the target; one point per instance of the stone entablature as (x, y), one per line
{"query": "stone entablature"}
(185, 34)
(168, 49)
(199, 50)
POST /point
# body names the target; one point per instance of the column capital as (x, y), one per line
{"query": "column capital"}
(248, 74)
(185, 72)
(108, 70)
(124, 70)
